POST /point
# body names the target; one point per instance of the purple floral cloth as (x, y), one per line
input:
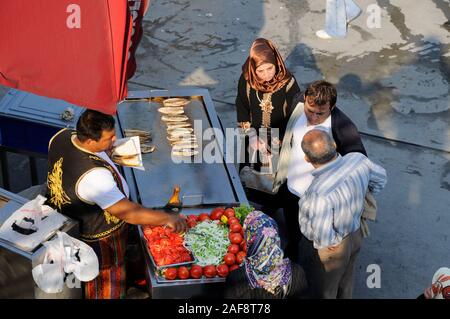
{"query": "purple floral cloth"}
(264, 265)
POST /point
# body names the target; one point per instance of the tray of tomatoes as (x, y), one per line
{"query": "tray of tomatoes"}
(230, 257)
(166, 248)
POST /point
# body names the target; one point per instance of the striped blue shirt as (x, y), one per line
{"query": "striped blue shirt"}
(332, 206)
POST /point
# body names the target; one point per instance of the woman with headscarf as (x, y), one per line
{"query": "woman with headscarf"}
(264, 274)
(265, 90)
(263, 104)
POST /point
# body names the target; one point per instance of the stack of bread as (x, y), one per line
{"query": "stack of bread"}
(179, 130)
(127, 152)
(144, 139)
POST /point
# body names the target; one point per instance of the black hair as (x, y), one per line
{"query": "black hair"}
(322, 92)
(91, 125)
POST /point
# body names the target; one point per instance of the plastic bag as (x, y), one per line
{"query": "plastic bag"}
(65, 254)
(31, 224)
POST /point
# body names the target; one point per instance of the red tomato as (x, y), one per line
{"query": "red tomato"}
(240, 257)
(233, 220)
(229, 259)
(196, 271)
(235, 238)
(217, 213)
(243, 246)
(148, 231)
(192, 217)
(233, 249)
(229, 212)
(185, 257)
(209, 271)
(170, 273)
(235, 228)
(233, 267)
(183, 272)
(222, 270)
(167, 247)
(191, 223)
(164, 242)
(203, 216)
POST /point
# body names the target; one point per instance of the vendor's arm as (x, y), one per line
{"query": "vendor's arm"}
(136, 214)
(98, 187)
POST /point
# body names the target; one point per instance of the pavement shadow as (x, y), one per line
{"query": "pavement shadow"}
(200, 43)
(302, 63)
(414, 94)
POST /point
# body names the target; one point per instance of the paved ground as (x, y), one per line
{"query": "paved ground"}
(392, 81)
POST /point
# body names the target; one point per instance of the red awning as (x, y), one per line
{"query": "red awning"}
(75, 50)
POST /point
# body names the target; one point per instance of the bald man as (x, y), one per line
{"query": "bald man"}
(330, 214)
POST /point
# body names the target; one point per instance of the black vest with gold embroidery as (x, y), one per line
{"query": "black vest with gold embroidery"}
(67, 164)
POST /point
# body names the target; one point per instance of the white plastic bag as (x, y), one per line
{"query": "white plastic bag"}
(65, 254)
(31, 224)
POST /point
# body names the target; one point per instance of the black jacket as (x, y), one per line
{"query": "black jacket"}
(344, 131)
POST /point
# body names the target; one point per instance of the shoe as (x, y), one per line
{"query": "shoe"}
(323, 34)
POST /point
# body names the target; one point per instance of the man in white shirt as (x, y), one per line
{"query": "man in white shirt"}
(84, 184)
(315, 108)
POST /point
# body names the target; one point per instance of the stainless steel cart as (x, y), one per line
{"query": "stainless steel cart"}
(203, 185)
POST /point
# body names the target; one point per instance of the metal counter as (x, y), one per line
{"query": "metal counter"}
(205, 185)
(217, 182)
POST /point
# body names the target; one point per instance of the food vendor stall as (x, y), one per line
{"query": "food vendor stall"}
(203, 186)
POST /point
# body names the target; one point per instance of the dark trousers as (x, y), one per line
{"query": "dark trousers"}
(290, 212)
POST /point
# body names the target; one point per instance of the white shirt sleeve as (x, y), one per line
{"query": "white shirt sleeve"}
(98, 186)
(378, 177)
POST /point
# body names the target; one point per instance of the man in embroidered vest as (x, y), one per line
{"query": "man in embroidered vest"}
(84, 184)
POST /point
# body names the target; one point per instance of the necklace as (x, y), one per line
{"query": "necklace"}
(266, 108)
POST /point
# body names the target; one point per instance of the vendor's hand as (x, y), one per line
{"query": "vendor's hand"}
(177, 223)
